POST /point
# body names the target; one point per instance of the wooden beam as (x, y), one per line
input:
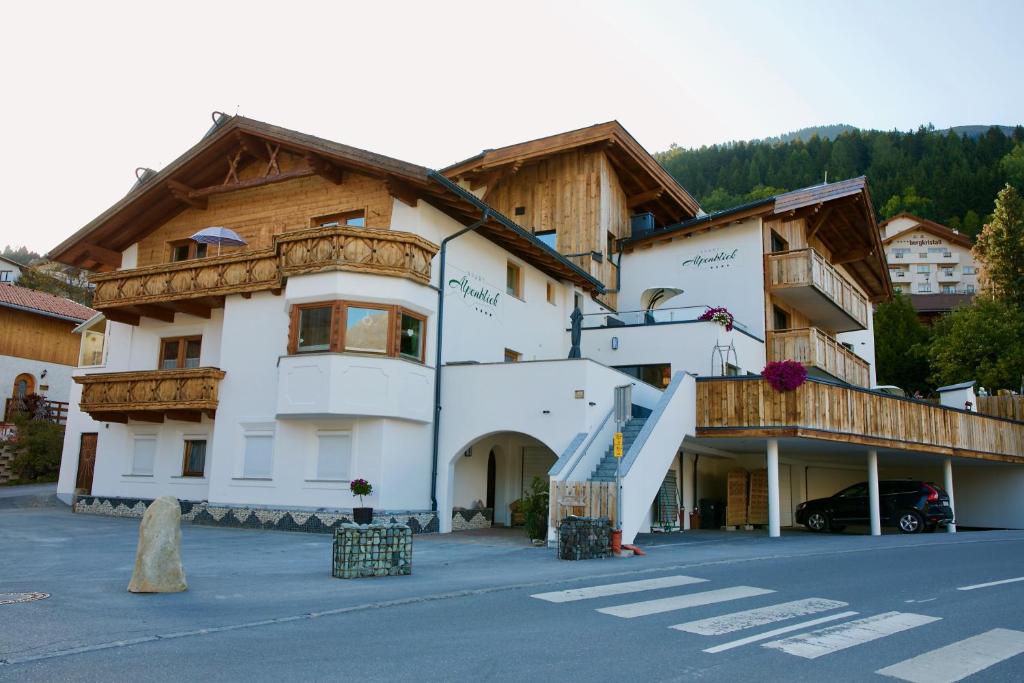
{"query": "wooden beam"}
(185, 415)
(183, 193)
(644, 197)
(121, 316)
(107, 257)
(324, 168)
(401, 191)
(155, 311)
(250, 183)
(254, 147)
(818, 222)
(189, 307)
(119, 418)
(851, 256)
(146, 416)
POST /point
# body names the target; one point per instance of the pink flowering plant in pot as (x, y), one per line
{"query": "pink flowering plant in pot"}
(720, 315)
(785, 375)
(361, 487)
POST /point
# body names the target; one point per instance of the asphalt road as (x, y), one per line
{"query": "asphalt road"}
(262, 606)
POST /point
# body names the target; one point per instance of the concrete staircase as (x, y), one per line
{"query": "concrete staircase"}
(605, 470)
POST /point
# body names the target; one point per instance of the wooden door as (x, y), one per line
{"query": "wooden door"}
(86, 463)
(492, 480)
(24, 384)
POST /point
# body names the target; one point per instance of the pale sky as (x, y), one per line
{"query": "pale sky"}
(94, 90)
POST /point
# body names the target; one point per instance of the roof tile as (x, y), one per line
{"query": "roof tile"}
(47, 304)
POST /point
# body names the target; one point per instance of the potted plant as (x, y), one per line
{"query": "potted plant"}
(784, 375)
(535, 508)
(361, 487)
(720, 315)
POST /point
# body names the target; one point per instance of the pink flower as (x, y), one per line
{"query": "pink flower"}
(718, 314)
(784, 375)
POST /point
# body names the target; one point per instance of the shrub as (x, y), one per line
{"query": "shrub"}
(37, 449)
(785, 375)
(535, 507)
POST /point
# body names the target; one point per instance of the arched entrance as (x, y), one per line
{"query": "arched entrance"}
(24, 384)
(491, 474)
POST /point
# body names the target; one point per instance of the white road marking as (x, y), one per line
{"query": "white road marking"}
(617, 588)
(961, 659)
(990, 584)
(778, 632)
(835, 638)
(641, 609)
(737, 621)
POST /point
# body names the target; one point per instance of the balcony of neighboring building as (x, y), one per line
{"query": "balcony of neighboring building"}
(805, 280)
(933, 257)
(818, 351)
(196, 286)
(948, 276)
(185, 394)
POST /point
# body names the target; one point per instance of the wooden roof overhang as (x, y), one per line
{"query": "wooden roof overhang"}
(930, 227)
(647, 185)
(237, 141)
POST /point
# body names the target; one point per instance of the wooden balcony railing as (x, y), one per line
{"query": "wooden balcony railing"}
(808, 268)
(197, 285)
(50, 411)
(813, 347)
(151, 395)
(750, 408)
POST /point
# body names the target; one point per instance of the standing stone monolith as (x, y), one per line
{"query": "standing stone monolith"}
(158, 558)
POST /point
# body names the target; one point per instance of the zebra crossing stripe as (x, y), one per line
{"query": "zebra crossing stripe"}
(959, 660)
(778, 632)
(737, 621)
(842, 636)
(574, 594)
(641, 609)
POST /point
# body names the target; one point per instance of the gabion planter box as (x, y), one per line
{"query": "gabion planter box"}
(584, 538)
(362, 550)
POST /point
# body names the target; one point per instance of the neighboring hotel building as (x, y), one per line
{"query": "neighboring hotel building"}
(925, 257)
(412, 328)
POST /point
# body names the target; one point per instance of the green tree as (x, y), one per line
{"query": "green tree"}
(67, 288)
(910, 202)
(1012, 166)
(1000, 246)
(20, 254)
(984, 342)
(901, 346)
(37, 449)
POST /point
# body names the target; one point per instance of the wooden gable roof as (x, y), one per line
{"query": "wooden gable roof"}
(236, 141)
(648, 186)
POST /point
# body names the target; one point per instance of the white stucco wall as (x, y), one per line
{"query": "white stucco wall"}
(57, 380)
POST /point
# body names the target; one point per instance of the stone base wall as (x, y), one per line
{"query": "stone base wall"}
(6, 456)
(464, 520)
(584, 538)
(371, 550)
(320, 521)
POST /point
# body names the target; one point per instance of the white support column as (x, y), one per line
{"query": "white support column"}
(947, 471)
(774, 526)
(873, 499)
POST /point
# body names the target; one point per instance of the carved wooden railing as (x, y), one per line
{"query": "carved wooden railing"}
(806, 267)
(811, 346)
(150, 391)
(741, 407)
(362, 250)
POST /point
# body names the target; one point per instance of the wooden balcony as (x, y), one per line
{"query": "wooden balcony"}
(807, 282)
(151, 395)
(199, 285)
(750, 408)
(815, 349)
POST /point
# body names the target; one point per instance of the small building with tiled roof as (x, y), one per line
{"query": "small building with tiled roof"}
(10, 270)
(38, 346)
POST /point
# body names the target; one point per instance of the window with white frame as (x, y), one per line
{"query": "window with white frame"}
(258, 457)
(924, 268)
(924, 288)
(969, 289)
(143, 456)
(970, 270)
(333, 455)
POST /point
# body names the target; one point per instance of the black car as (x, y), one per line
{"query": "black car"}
(912, 506)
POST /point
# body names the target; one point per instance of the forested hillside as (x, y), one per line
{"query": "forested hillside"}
(949, 178)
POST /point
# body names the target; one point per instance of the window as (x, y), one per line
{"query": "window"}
(577, 301)
(94, 340)
(855, 491)
(947, 272)
(512, 356)
(548, 237)
(314, 328)
(969, 289)
(948, 289)
(366, 329)
(658, 374)
(937, 250)
(778, 244)
(350, 219)
(194, 462)
(780, 319)
(924, 287)
(258, 458)
(185, 250)
(359, 328)
(970, 270)
(6, 275)
(410, 336)
(551, 292)
(923, 268)
(143, 455)
(333, 456)
(180, 352)
(514, 280)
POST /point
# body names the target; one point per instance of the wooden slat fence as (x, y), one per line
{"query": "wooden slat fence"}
(582, 499)
(1009, 407)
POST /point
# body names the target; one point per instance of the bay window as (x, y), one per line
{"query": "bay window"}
(357, 327)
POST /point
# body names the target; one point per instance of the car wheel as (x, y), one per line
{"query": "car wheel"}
(817, 521)
(910, 522)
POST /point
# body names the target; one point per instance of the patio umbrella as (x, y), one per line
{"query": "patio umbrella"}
(576, 333)
(219, 236)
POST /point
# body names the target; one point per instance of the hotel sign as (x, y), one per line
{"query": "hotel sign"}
(475, 292)
(712, 258)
